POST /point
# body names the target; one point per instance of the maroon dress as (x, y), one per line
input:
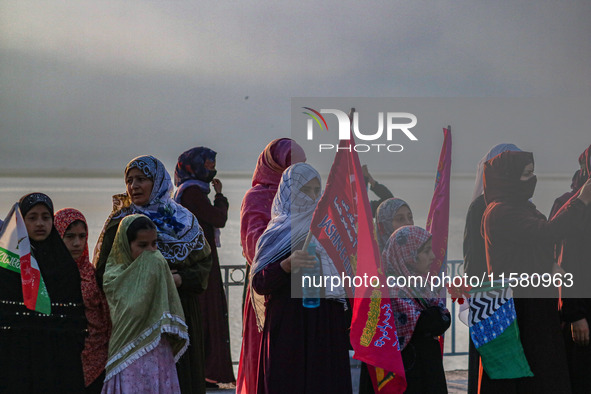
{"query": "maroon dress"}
(303, 350)
(519, 239)
(212, 302)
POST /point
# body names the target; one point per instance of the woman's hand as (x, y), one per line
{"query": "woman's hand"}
(178, 280)
(585, 194)
(217, 185)
(298, 259)
(580, 332)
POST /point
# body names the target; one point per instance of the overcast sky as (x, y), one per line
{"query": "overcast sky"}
(92, 84)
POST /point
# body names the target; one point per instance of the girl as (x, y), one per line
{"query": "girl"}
(72, 227)
(149, 331)
(419, 313)
(303, 350)
(42, 353)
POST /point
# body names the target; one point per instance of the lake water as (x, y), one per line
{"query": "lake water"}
(92, 196)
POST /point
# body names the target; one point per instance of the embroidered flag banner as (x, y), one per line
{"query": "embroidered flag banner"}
(343, 224)
(15, 255)
(494, 331)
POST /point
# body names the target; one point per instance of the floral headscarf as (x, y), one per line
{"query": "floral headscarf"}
(179, 232)
(190, 170)
(400, 256)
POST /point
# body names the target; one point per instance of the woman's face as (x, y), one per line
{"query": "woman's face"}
(528, 172)
(145, 240)
(139, 186)
(209, 165)
(312, 189)
(403, 217)
(425, 258)
(38, 222)
(75, 239)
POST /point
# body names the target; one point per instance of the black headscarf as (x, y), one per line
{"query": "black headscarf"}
(502, 178)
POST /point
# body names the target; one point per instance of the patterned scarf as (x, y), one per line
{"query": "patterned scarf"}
(179, 232)
(291, 216)
(400, 255)
(94, 355)
(144, 304)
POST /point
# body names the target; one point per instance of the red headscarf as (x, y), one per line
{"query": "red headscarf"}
(256, 205)
(95, 353)
(502, 178)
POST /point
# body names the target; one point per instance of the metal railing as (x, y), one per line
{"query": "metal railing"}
(234, 275)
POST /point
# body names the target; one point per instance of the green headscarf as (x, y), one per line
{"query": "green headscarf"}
(144, 304)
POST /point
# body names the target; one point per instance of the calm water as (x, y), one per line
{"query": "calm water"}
(92, 196)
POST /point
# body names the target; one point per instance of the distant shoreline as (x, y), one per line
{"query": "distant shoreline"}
(66, 173)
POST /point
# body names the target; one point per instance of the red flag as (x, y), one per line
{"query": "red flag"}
(343, 224)
(438, 218)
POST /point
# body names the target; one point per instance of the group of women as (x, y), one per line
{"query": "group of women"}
(505, 233)
(150, 314)
(287, 348)
(132, 321)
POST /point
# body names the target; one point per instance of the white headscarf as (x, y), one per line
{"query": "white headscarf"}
(494, 151)
(291, 216)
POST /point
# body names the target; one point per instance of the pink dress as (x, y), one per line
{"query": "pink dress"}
(154, 372)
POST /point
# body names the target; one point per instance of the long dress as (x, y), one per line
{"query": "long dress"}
(303, 350)
(213, 303)
(40, 353)
(520, 239)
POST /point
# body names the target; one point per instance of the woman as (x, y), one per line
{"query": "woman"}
(193, 174)
(391, 214)
(255, 214)
(181, 242)
(149, 331)
(42, 353)
(303, 350)
(572, 254)
(420, 315)
(474, 254)
(519, 239)
(71, 226)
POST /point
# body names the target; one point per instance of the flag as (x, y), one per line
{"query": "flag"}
(15, 255)
(438, 218)
(495, 333)
(343, 225)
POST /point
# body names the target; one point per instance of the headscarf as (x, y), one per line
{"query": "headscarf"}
(585, 162)
(190, 170)
(30, 200)
(179, 232)
(95, 353)
(494, 151)
(144, 304)
(400, 256)
(255, 212)
(384, 216)
(502, 178)
(291, 216)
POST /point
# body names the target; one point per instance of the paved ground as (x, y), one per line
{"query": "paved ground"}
(457, 382)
